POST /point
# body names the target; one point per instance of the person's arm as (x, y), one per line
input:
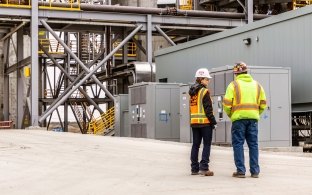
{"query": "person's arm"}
(228, 100)
(262, 99)
(207, 104)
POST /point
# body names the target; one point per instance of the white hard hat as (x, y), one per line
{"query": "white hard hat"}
(203, 72)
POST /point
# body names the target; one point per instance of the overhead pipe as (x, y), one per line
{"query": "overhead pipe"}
(155, 11)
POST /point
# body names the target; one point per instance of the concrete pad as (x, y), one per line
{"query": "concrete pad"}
(44, 162)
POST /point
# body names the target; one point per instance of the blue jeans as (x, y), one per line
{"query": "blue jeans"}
(200, 133)
(241, 130)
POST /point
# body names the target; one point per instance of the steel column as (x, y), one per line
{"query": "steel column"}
(149, 42)
(20, 82)
(34, 66)
(60, 100)
(6, 87)
(250, 11)
(66, 81)
(125, 48)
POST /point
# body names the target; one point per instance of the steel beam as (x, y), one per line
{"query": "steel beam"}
(70, 78)
(139, 45)
(86, 69)
(75, 87)
(164, 35)
(79, 77)
(18, 65)
(13, 31)
(124, 17)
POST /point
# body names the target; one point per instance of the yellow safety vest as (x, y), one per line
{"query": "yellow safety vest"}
(198, 115)
(244, 99)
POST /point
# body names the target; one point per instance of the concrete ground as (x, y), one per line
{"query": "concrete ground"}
(43, 162)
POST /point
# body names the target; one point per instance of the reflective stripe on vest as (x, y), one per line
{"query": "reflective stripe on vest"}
(245, 106)
(198, 115)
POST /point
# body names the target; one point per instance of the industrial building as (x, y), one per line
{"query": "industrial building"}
(114, 76)
(271, 42)
(83, 58)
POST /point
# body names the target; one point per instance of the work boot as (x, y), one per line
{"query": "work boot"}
(239, 175)
(194, 173)
(255, 175)
(207, 173)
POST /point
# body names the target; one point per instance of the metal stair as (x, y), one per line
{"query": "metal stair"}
(103, 125)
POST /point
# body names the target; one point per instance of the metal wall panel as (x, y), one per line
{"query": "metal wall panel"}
(279, 41)
(219, 83)
(163, 112)
(175, 112)
(279, 107)
(142, 95)
(265, 125)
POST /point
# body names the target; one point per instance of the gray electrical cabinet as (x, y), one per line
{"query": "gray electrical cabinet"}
(121, 115)
(185, 129)
(275, 121)
(154, 111)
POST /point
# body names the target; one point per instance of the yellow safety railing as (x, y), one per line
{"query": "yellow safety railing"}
(16, 3)
(71, 5)
(101, 124)
(132, 48)
(298, 3)
(52, 45)
(186, 4)
(68, 5)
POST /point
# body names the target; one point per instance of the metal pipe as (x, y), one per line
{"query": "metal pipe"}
(156, 11)
(77, 59)
(165, 35)
(71, 79)
(46, 114)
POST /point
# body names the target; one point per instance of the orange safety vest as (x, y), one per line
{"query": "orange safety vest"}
(198, 115)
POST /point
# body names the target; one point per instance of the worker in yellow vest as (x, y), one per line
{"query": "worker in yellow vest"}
(244, 102)
(202, 122)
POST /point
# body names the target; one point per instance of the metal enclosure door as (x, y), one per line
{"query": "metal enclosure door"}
(280, 110)
(174, 116)
(264, 130)
(185, 129)
(125, 128)
(163, 112)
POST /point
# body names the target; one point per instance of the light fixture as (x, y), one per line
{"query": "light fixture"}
(247, 41)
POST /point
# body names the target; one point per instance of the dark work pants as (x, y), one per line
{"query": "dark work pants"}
(200, 133)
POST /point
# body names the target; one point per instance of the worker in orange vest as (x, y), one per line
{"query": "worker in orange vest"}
(202, 122)
(244, 101)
